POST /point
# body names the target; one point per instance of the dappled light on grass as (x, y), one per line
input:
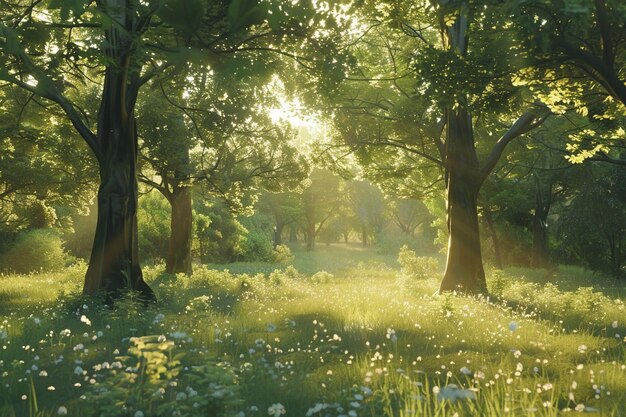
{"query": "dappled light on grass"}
(367, 341)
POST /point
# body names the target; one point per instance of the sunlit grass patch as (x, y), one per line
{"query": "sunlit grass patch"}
(352, 342)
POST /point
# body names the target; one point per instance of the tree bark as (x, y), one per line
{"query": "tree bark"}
(114, 262)
(464, 268)
(179, 245)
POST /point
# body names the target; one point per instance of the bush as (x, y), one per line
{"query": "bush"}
(321, 277)
(257, 244)
(34, 251)
(419, 267)
(282, 255)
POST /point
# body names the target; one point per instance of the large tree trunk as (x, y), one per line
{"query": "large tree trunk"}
(464, 267)
(114, 263)
(179, 245)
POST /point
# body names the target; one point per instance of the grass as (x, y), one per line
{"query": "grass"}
(361, 340)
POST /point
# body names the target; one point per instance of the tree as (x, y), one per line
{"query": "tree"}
(408, 214)
(432, 86)
(367, 207)
(320, 200)
(576, 43)
(47, 45)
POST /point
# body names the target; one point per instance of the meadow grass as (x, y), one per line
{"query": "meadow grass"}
(362, 339)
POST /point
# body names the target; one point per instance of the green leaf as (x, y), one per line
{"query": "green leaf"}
(184, 15)
(245, 13)
(11, 44)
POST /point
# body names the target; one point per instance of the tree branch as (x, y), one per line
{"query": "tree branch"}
(525, 123)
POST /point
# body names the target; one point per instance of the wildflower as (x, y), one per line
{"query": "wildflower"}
(36, 320)
(78, 370)
(465, 371)
(65, 332)
(582, 348)
(271, 327)
(62, 411)
(316, 409)
(85, 320)
(139, 413)
(580, 408)
(178, 335)
(513, 326)
(276, 410)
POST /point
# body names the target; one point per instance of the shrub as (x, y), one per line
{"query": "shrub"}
(419, 267)
(149, 381)
(257, 244)
(35, 250)
(282, 255)
(321, 277)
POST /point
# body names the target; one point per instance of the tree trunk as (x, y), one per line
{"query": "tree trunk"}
(293, 234)
(364, 241)
(114, 263)
(494, 238)
(179, 245)
(540, 253)
(464, 267)
(310, 237)
(278, 233)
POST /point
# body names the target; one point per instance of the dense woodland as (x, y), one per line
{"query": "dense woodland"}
(452, 136)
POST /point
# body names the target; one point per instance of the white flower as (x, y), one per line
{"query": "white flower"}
(85, 320)
(276, 410)
(614, 324)
(582, 348)
(465, 371)
(62, 411)
(65, 332)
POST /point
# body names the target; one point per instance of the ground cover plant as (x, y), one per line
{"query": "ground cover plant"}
(367, 339)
